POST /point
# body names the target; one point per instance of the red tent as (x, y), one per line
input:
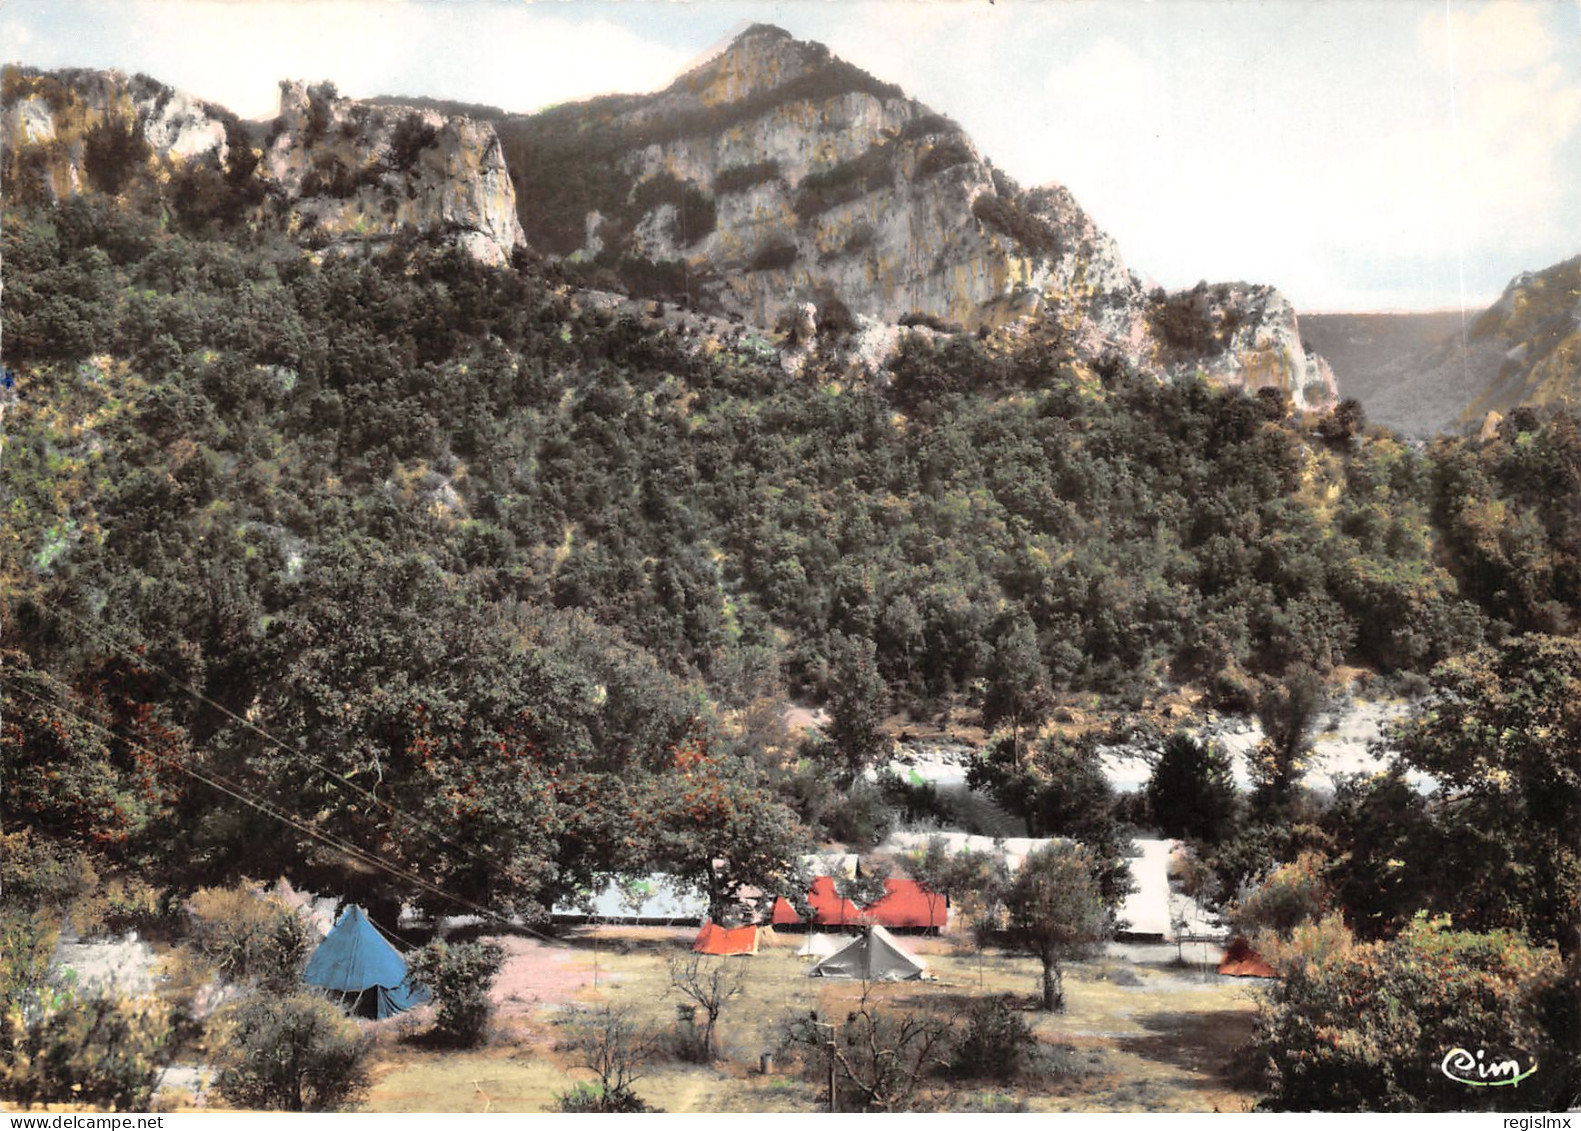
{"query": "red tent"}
(828, 909)
(714, 939)
(1241, 961)
(907, 904)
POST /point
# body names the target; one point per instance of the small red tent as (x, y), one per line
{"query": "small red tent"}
(1241, 961)
(908, 905)
(714, 939)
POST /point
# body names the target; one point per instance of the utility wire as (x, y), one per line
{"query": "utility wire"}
(271, 809)
(139, 658)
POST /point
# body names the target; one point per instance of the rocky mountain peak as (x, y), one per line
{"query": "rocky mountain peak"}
(775, 177)
(762, 58)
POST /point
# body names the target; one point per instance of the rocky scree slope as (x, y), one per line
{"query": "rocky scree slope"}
(334, 172)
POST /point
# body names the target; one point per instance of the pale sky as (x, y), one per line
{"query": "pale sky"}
(1358, 154)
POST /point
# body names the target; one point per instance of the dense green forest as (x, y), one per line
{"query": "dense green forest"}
(365, 508)
(415, 580)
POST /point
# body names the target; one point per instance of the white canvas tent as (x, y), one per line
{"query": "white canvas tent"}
(873, 956)
(820, 945)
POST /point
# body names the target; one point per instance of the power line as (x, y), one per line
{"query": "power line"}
(142, 660)
(268, 808)
(278, 812)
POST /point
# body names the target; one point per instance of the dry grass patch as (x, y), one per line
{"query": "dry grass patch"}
(1137, 1036)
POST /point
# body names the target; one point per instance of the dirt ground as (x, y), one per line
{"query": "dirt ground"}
(1144, 1033)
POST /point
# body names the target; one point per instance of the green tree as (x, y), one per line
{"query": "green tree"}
(1017, 690)
(65, 1049)
(1288, 711)
(1057, 912)
(1191, 792)
(1502, 738)
(707, 820)
(1060, 790)
(856, 705)
(249, 936)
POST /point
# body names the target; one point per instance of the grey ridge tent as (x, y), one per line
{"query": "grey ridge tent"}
(366, 972)
(873, 956)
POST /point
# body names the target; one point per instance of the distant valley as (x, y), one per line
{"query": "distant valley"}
(1442, 371)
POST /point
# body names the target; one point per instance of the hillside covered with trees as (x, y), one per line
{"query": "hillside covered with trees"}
(432, 582)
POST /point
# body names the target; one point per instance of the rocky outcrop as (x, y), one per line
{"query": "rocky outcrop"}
(356, 170)
(335, 172)
(770, 178)
(822, 182)
(775, 176)
(1535, 331)
(1242, 335)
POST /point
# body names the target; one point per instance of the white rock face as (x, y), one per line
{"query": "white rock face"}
(33, 121)
(182, 127)
(1257, 344)
(353, 170)
(331, 169)
(858, 193)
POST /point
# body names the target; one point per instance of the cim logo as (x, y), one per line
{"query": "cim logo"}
(1480, 1072)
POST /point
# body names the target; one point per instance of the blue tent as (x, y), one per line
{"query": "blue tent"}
(355, 962)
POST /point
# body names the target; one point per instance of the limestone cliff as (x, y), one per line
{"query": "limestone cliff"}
(356, 170)
(776, 175)
(335, 172)
(1240, 334)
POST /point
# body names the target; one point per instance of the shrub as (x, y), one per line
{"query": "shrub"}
(946, 154)
(773, 257)
(862, 818)
(1010, 219)
(411, 136)
(883, 1058)
(916, 802)
(1296, 893)
(112, 152)
(586, 1098)
(819, 192)
(924, 124)
(695, 214)
(297, 1053)
(250, 937)
(835, 319)
(930, 321)
(1367, 1029)
(460, 976)
(97, 1051)
(124, 905)
(995, 1042)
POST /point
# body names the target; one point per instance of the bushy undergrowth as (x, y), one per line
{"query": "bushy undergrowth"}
(294, 1053)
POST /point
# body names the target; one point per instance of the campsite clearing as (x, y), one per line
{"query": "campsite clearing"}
(1143, 1033)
